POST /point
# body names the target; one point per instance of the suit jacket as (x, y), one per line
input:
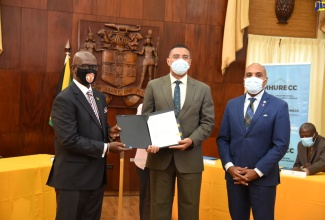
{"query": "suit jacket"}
(196, 119)
(317, 157)
(264, 143)
(79, 141)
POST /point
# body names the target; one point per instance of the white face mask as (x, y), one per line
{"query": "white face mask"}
(253, 85)
(180, 66)
(308, 141)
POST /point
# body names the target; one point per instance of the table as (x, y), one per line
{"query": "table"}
(23, 190)
(297, 198)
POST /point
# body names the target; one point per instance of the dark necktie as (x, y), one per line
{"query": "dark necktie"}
(310, 152)
(249, 112)
(93, 104)
(177, 97)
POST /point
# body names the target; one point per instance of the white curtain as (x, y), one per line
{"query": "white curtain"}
(269, 49)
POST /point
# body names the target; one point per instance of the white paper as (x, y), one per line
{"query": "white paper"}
(294, 173)
(163, 129)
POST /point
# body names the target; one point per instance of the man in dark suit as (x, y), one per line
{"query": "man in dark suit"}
(82, 134)
(185, 161)
(311, 150)
(250, 147)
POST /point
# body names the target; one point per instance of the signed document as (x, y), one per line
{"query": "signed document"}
(164, 129)
(158, 128)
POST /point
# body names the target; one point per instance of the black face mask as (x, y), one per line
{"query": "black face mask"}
(82, 75)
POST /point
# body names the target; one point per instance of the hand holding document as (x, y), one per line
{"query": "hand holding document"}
(158, 128)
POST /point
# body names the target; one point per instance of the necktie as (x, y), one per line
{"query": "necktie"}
(93, 104)
(249, 113)
(177, 97)
(310, 152)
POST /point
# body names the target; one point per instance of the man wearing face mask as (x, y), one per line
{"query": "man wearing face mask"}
(311, 150)
(254, 136)
(195, 111)
(82, 136)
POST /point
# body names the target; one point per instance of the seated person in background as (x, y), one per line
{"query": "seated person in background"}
(311, 150)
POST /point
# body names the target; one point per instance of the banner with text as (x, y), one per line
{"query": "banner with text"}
(291, 83)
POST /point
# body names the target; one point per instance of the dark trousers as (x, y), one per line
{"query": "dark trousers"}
(241, 199)
(79, 205)
(144, 204)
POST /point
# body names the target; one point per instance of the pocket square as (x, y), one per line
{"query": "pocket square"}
(105, 110)
(265, 115)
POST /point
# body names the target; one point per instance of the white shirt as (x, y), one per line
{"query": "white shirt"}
(84, 90)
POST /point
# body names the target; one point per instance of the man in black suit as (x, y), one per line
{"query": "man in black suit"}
(82, 137)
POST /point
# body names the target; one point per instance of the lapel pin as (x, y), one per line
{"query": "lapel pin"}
(264, 102)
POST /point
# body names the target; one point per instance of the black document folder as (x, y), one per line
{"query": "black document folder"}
(135, 131)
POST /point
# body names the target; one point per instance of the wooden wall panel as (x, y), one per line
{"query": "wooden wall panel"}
(263, 20)
(33, 56)
(213, 54)
(216, 12)
(11, 33)
(217, 93)
(59, 31)
(174, 10)
(34, 40)
(153, 10)
(60, 5)
(196, 41)
(197, 11)
(9, 101)
(108, 8)
(37, 4)
(84, 6)
(131, 9)
(16, 3)
(11, 145)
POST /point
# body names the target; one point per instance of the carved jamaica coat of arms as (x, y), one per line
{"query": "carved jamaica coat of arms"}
(128, 57)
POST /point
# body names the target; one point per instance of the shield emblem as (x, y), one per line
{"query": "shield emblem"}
(119, 67)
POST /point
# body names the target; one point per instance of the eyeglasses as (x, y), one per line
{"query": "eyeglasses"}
(88, 66)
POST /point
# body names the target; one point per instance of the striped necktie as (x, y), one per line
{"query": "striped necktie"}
(93, 104)
(249, 113)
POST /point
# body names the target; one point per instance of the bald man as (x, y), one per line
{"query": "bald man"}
(79, 116)
(254, 136)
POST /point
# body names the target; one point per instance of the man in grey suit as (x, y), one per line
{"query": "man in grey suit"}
(78, 173)
(184, 161)
(311, 150)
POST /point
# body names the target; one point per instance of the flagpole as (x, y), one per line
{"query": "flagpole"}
(67, 47)
(120, 194)
(66, 74)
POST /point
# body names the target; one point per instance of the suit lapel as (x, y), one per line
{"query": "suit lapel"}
(167, 91)
(190, 93)
(240, 112)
